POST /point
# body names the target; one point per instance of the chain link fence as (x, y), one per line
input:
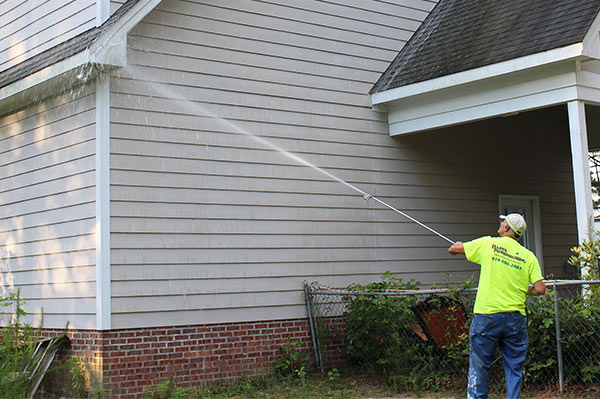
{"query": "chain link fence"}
(419, 339)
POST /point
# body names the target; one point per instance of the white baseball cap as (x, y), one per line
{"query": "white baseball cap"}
(516, 223)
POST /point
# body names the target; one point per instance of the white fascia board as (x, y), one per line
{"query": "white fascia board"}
(505, 107)
(591, 41)
(502, 68)
(520, 91)
(44, 75)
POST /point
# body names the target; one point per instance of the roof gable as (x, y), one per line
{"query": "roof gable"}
(459, 35)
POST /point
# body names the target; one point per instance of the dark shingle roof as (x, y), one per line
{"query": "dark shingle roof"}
(63, 50)
(459, 35)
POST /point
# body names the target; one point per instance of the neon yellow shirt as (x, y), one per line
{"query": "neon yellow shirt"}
(507, 269)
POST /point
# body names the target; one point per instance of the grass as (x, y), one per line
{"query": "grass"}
(330, 385)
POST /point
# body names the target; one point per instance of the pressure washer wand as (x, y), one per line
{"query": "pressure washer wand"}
(367, 197)
(302, 161)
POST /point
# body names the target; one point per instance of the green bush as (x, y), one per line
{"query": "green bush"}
(18, 356)
(381, 337)
(292, 363)
(375, 324)
(384, 335)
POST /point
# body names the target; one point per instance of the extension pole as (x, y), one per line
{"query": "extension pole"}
(367, 197)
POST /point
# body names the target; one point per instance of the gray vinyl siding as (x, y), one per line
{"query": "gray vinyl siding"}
(210, 225)
(47, 208)
(30, 27)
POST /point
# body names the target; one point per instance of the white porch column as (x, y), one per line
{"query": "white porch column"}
(103, 297)
(581, 169)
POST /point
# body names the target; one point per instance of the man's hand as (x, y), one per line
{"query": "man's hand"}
(457, 248)
(538, 288)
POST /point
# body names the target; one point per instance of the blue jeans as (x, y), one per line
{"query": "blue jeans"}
(488, 331)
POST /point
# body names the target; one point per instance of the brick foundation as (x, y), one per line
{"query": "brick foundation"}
(123, 362)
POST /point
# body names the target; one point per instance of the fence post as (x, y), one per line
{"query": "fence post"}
(561, 377)
(313, 329)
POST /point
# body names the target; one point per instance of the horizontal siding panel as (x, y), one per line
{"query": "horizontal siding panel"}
(36, 141)
(415, 9)
(135, 319)
(62, 306)
(288, 86)
(319, 14)
(232, 75)
(126, 121)
(44, 262)
(58, 278)
(60, 292)
(195, 56)
(397, 226)
(270, 199)
(55, 171)
(243, 45)
(200, 301)
(47, 159)
(49, 231)
(289, 24)
(266, 212)
(52, 110)
(329, 156)
(250, 255)
(276, 241)
(155, 116)
(329, 273)
(356, 177)
(60, 200)
(51, 245)
(65, 207)
(167, 100)
(203, 101)
(253, 29)
(48, 189)
(35, 27)
(217, 181)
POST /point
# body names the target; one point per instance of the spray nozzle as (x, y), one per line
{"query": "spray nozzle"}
(367, 196)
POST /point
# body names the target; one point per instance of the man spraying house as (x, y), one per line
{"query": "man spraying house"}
(507, 270)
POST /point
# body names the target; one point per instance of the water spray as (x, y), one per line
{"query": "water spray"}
(302, 161)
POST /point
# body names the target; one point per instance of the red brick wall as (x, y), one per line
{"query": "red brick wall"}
(333, 341)
(123, 362)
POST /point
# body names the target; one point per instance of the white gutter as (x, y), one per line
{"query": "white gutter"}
(44, 75)
(502, 68)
